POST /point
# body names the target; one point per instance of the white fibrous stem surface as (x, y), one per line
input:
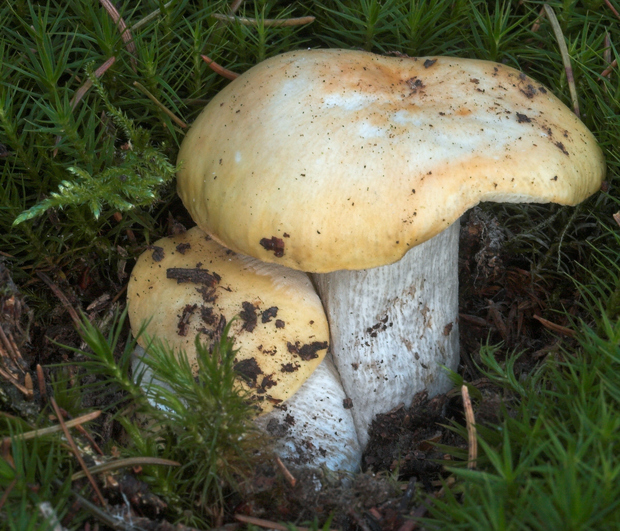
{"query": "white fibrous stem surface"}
(314, 427)
(393, 328)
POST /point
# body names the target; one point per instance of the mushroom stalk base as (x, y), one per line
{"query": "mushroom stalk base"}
(394, 327)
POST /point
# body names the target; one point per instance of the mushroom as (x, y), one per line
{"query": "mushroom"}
(188, 285)
(356, 167)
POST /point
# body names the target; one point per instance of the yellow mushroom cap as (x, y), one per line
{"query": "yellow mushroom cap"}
(323, 160)
(189, 285)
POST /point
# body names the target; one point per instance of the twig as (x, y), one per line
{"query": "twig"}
(408, 495)
(11, 356)
(76, 452)
(555, 327)
(273, 22)
(565, 57)
(53, 429)
(29, 387)
(11, 348)
(358, 520)
(111, 521)
(228, 74)
(41, 382)
(471, 429)
(607, 58)
(477, 321)
(124, 463)
(119, 294)
(149, 17)
(85, 433)
(165, 109)
(124, 31)
(607, 48)
(608, 70)
(9, 377)
(262, 523)
(613, 9)
(266, 523)
(79, 93)
(8, 490)
(236, 4)
(538, 21)
(288, 476)
(498, 320)
(62, 297)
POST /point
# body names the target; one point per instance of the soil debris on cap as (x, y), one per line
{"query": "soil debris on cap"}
(158, 253)
(269, 314)
(414, 84)
(249, 370)
(267, 383)
(289, 367)
(183, 247)
(185, 317)
(209, 295)
(529, 91)
(273, 244)
(248, 316)
(207, 315)
(196, 276)
(307, 352)
(561, 147)
(522, 118)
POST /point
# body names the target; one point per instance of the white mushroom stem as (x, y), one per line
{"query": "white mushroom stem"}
(394, 327)
(314, 428)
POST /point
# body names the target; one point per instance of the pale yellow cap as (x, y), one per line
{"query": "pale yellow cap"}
(323, 160)
(189, 285)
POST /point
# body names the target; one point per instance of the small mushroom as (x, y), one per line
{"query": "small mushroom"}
(357, 167)
(189, 285)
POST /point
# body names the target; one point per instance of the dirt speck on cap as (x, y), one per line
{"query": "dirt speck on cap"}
(267, 383)
(208, 294)
(184, 318)
(523, 119)
(248, 316)
(306, 352)
(196, 276)
(269, 314)
(274, 244)
(158, 253)
(289, 367)
(561, 147)
(248, 370)
(183, 247)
